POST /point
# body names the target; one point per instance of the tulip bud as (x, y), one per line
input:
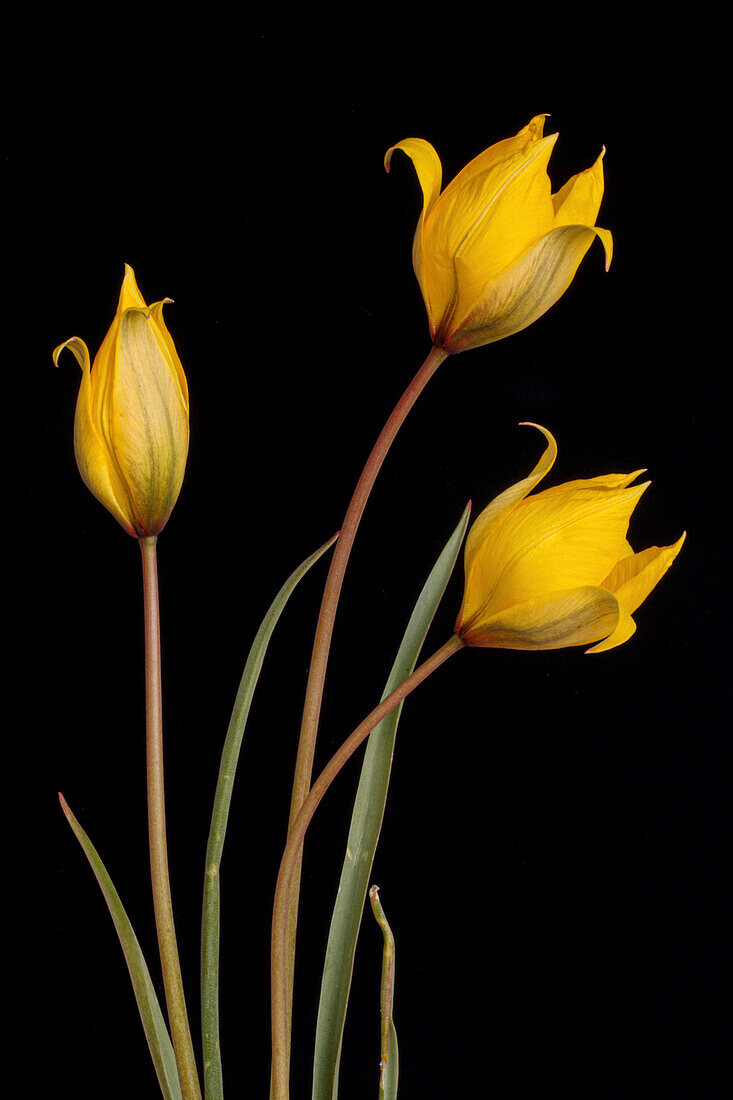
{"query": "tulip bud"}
(131, 425)
(496, 248)
(554, 569)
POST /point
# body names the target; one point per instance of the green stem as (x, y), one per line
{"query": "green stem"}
(170, 965)
(388, 1046)
(292, 854)
(324, 628)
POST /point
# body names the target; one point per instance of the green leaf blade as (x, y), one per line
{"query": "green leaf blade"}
(366, 824)
(154, 1026)
(210, 938)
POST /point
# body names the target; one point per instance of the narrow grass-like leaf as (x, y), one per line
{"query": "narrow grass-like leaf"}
(389, 1068)
(220, 815)
(366, 823)
(156, 1032)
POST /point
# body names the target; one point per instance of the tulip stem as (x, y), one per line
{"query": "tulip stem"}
(292, 854)
(170, 964)
(324, 628)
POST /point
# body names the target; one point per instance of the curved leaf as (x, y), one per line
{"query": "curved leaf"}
(156, 1032)
(366, 823)
(217, 832)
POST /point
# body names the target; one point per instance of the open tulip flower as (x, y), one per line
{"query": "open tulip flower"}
(495, 249)
(555, 569)
(131, 424)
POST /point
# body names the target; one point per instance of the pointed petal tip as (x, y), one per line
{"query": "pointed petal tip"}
(606, 238)
(531, 424)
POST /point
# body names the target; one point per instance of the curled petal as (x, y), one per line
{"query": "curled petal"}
(427, 165)
(553, 621)
(79, 350)
(430, 175)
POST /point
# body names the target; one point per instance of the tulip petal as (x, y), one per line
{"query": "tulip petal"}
(528, 288)
(603, 481)
(494, 514)
(500, 151)
(130, 296)
(579, 200)
(146, 420)
(79, 349)
(156, 310)
(427, 165)
(477, 231)
(430, 176)
(92, 455)
(555, 541)
(632, 579)
(624, 630)
(553, 621)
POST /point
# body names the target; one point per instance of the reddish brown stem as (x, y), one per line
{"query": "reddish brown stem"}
(327, 616)
(170, 964)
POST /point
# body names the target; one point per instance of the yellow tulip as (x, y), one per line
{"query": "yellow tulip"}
(495, 249)
(131, 425)
(554, 569)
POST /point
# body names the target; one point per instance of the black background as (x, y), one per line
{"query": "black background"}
(555, 858)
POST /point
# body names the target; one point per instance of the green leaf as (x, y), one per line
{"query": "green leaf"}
(156, 1032)
(366, 823)
(217, 833)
